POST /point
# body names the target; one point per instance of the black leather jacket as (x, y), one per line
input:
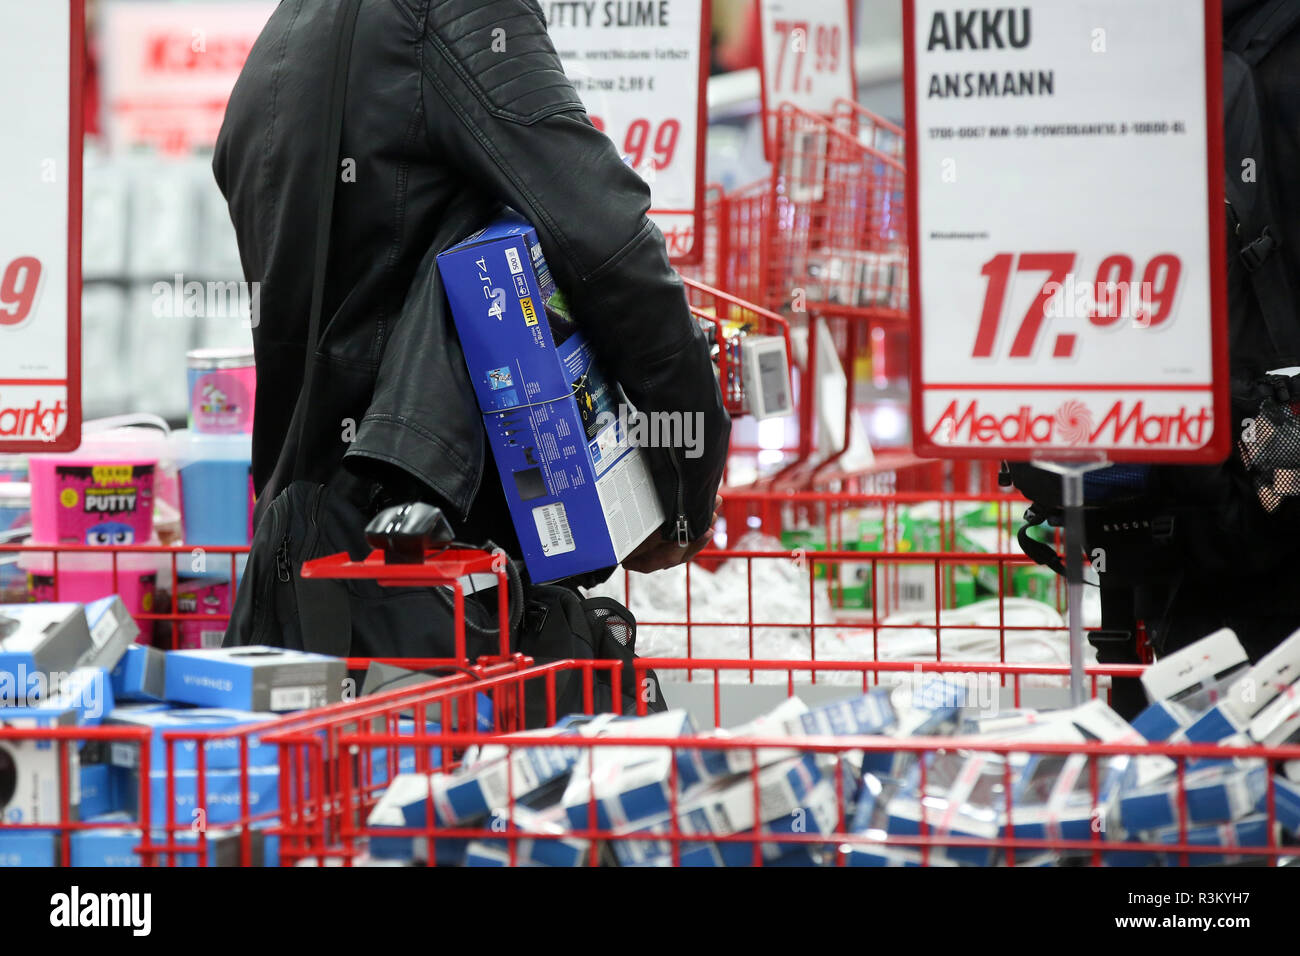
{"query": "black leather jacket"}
(443, 131)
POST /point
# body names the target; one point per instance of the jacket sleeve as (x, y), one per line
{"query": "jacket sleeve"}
(501, 113)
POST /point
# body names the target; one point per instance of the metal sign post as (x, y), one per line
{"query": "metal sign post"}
(1072, 474)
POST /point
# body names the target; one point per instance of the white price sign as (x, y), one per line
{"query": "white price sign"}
(1067, 230)
(41, 52)
(807, 55)
(641, 69)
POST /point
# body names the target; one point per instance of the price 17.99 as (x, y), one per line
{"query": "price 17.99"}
(1118, 293)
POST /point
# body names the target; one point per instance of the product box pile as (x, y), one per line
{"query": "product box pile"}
(579, 491)
(68, 665)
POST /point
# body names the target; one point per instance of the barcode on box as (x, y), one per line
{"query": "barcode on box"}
(104, 627)
(290, 698)
(553, 529)
(916, 588)
(211, 638)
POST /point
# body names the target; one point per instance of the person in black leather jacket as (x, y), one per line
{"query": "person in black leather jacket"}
(441, 128)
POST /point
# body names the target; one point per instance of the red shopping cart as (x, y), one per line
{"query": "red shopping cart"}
(587, 834)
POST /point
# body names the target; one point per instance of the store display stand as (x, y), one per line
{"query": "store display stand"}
(1072, 474)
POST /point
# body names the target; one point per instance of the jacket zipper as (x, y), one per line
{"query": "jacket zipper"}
(282, 565)
(683, 527)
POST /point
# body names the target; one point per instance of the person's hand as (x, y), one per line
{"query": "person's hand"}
(656, 554)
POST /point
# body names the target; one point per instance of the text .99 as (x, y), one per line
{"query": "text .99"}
(663, 145)
(18, 286)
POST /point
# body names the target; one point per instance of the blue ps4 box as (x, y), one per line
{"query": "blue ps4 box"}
(580, 492)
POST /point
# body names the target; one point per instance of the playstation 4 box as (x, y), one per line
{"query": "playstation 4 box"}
(580, 492)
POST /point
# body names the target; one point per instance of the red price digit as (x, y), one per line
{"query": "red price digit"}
(18, 287)
(798, 40)
(666, 142)
(997, 270)
(783, 29)
(1110, 293)
(634, 142)
(596, 121)
(1161, 278)
(828, 49)
(1058, 266)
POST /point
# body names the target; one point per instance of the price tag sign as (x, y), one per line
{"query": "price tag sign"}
(41, 52)
(168, 69)
(807, 56)
(1065, 193)
(641, 69)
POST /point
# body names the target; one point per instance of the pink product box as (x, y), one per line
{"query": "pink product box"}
(206, 596)
(105, 503)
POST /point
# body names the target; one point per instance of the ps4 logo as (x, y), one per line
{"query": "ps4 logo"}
(494, 295)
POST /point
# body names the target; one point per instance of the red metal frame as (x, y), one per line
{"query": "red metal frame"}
(440, 569)
(217, 560)
(332, 829)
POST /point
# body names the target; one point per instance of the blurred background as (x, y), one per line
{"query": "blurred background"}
(158, 75)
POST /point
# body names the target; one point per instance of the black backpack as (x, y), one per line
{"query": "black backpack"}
(1237, 515)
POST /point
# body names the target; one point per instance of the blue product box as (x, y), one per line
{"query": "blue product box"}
(793, 796)
(404, 805)
(580, 493)
(221, 753)
(473, 792)
(962, 799)
(1052, 797)
(101, 791)
(563, 850)
(115, 846)
(1161, 721)
(1215, 794)
(694, 765)
(1286, 804)
(1251, 831)
(139, 674)
(84, 697)
(254, 678)
(223, 795)
(215, 491)
(405, 755)
(28, 848)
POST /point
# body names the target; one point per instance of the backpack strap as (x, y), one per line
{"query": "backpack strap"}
(1251, 207)
(323, 609)
(344, 28)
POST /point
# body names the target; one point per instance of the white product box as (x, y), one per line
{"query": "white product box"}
(1188, 668)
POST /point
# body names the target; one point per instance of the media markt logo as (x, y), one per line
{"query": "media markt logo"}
(1073, 423)
(1124, 423)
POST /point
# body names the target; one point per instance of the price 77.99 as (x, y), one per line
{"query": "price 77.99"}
(642, 136)
(1111, 297)
(793, 36)
(19, 282)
